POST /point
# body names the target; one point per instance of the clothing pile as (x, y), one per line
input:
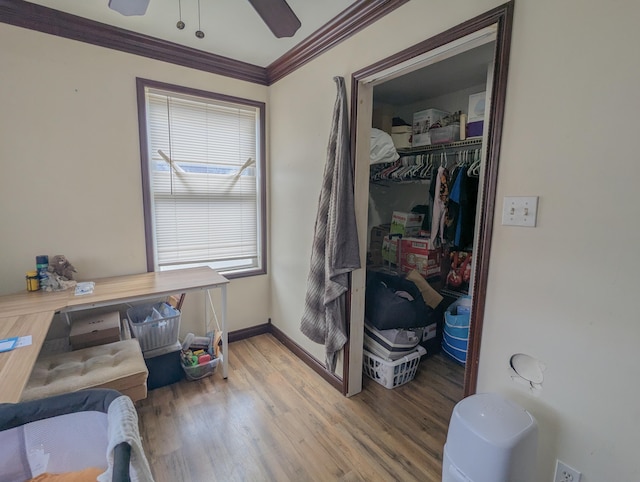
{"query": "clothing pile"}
(401, 311)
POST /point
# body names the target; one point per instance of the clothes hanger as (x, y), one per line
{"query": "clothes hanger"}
(425, 172)
(474, 168)
(397, 172)
(384, 173)
(417, 167)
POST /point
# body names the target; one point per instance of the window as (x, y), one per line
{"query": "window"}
(203, 179)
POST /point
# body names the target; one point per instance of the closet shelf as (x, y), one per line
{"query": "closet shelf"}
(474, 141)
(415, 164)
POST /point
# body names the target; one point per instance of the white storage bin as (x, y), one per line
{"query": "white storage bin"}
(154, 333)
(422, 121)
(490, 439)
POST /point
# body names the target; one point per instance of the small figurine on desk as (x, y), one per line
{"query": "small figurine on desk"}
(60, 274)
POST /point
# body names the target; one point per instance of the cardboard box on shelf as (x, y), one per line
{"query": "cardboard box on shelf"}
(419, 254)
(407, 224)
(422, 121)
(390, 250)
(377, 235)
(96, 329)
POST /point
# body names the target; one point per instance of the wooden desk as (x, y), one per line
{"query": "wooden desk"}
(31, 314)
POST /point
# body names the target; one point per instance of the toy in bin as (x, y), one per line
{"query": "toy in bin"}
(198, 356)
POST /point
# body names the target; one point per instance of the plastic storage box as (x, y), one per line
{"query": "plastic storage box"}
(490, 439)
(156, 332)
(392, 374)
(442, 135)
(196, 372)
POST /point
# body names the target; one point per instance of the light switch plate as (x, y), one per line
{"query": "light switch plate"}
(520, 211)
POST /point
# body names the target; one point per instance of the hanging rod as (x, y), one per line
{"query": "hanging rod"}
(434, 147)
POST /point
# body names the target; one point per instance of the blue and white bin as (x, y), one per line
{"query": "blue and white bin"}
(455, 339)
(490, 439)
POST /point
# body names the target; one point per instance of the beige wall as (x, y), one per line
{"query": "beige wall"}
(70, 162)
(563, 292)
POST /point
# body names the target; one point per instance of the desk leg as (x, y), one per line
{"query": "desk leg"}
(225, 337)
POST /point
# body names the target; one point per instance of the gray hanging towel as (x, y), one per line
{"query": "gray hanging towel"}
(335, 250)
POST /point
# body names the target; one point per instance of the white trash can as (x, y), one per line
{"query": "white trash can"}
(490, 439)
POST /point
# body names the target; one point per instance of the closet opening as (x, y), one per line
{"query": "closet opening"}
(426, 126)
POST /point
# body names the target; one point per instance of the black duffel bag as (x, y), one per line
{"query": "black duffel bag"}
(386, 309)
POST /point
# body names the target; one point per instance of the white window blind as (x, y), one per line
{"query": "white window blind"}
(203, 181)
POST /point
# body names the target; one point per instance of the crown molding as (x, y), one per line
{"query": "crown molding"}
(47, 20)
(350, 21)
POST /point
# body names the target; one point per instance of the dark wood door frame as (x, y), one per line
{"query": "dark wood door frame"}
(502, 17)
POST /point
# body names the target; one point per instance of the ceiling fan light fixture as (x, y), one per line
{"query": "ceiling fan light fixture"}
(180, 25)
(199, 32)
(129, 7)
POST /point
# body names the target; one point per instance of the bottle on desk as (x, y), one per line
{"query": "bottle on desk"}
(42, 266)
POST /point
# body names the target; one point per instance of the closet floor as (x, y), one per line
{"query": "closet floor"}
(276, 419)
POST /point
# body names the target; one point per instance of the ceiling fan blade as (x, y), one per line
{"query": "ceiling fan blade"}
(129, 7)
(278, 16)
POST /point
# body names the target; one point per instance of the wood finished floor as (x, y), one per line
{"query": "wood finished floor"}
(276, 419)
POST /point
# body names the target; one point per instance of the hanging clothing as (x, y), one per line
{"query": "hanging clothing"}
(335, 251)
(453, 206)
(468, 203)
(440, 206)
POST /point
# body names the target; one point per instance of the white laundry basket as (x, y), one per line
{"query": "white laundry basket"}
(490, 439)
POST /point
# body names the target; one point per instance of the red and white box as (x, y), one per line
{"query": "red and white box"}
(419, 254)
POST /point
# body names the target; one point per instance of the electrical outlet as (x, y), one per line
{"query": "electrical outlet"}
(564, 473)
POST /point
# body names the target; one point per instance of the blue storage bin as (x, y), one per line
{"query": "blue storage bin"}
(455, 337)
(456, 318)
(455, 342)
(458, 355)
(456, 325)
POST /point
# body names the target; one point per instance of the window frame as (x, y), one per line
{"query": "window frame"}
(141, 86)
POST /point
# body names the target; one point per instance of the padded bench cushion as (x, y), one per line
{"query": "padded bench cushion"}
(119, 366)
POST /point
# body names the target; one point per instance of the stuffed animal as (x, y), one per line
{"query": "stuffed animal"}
(61, 266)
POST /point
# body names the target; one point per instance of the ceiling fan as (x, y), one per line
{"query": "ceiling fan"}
(276, 14)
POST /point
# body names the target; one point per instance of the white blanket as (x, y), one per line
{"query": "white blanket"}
(123, 427)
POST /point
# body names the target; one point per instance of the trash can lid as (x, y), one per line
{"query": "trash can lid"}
(493, 418)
